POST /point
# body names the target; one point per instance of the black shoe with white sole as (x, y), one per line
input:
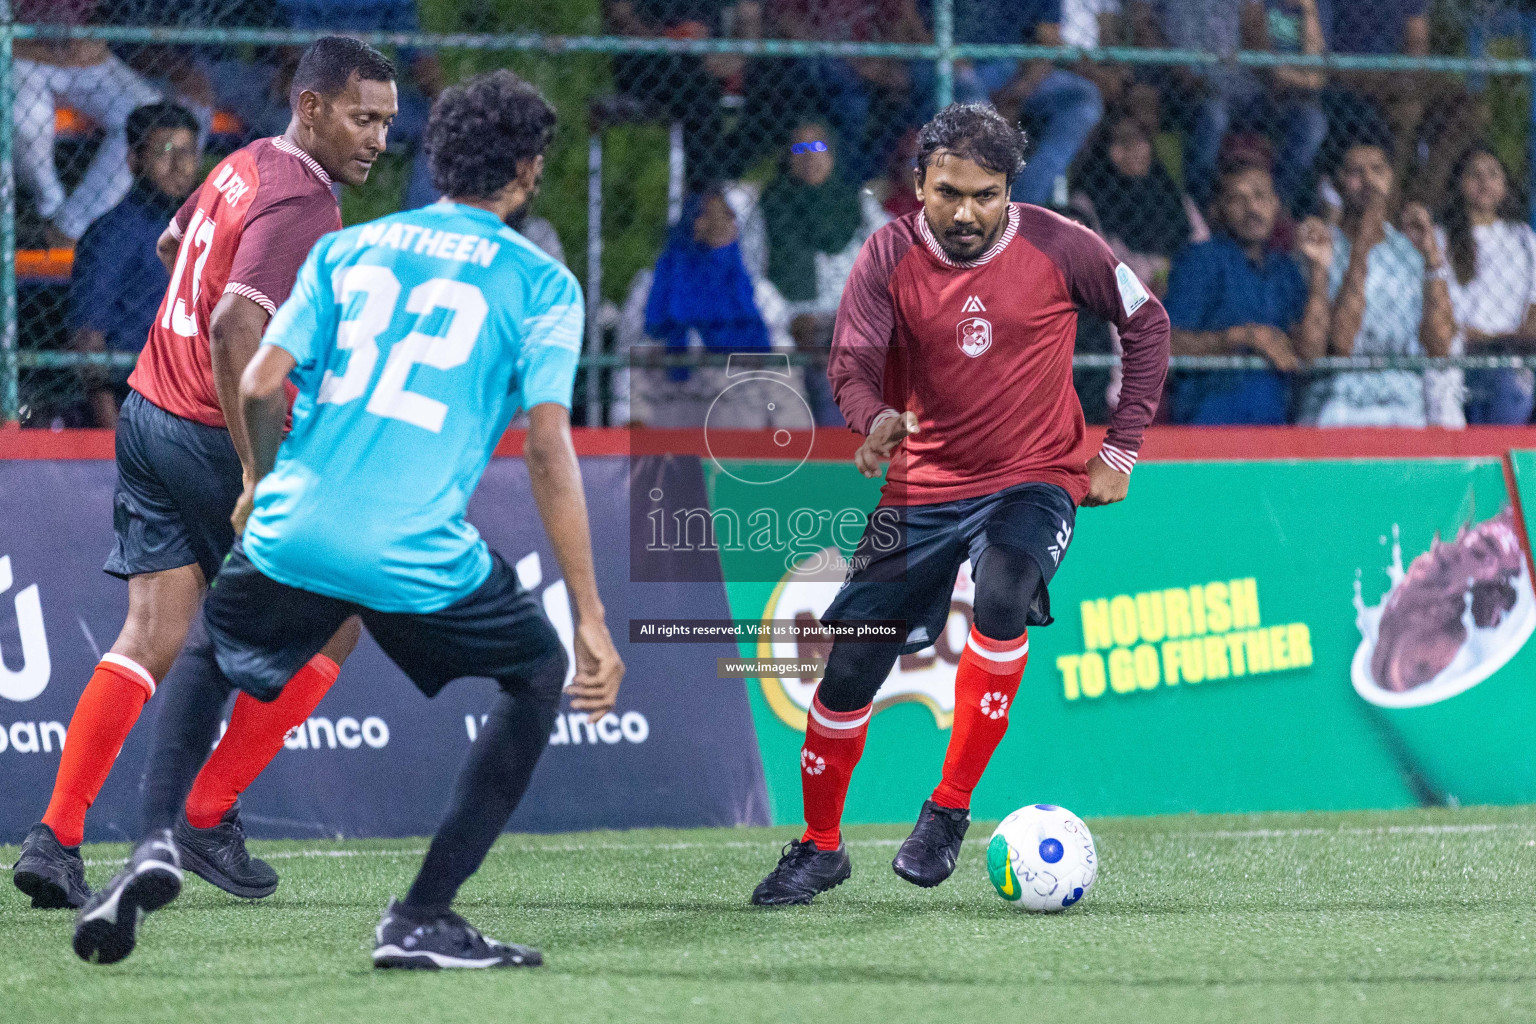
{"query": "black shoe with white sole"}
(218, 856)
(440, 942)
(107, 928)
(50, 872)
(928, 855)
(803, 873)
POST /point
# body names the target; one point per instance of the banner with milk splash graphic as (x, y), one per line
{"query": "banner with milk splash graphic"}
(1235, 637)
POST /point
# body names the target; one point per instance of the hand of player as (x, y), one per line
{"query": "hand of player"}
(1105, 484)
(599, 670)
(243, 507)
(882, 441)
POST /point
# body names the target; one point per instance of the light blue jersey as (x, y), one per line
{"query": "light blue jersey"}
(418, 336)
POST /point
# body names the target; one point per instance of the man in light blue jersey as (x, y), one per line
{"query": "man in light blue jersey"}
(412, 340)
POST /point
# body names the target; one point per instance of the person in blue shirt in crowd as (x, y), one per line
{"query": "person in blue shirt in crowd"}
(412, 341)
(1235, 295)
(118, 278)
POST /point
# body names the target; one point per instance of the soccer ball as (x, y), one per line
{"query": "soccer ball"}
(1041, 858)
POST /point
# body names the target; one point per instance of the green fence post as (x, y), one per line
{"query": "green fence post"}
(944, 38)
(9, 392)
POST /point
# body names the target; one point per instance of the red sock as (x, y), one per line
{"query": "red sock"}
(985, 685)
(834, 741)
(255, 735)
(103, 718)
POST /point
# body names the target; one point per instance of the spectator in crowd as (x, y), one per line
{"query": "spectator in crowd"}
(84, 74)
(1389, 296)
(1062, 107)
(1141, 212)
(869, 101)
(685, 88)
(1282, 102)
(1236, 295)
(1089, 24)
(257, 92)
(1434, 113)
(184, 74)
(816, 222)
(417, 91)
(702, 298)
(1210, 26)
(1492, 253)
(118, 280)
(1249, 149)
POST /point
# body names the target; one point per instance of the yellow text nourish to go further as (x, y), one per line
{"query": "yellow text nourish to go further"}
(1206, 632)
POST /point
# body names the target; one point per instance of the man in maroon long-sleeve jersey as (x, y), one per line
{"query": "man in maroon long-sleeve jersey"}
(952, 355)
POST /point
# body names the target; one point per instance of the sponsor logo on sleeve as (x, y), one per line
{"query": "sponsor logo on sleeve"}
(1132, 294)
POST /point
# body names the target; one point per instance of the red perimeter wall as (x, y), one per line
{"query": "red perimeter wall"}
(1163, 443)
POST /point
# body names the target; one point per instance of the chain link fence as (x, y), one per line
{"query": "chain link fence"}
(1331, 197)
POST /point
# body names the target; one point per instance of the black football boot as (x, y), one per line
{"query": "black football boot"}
(803, 872)
(928, 856)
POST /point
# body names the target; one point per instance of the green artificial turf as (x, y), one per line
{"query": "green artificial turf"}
(1403, 916)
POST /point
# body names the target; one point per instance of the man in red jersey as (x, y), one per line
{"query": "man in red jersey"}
(952, 355)
(234, 250)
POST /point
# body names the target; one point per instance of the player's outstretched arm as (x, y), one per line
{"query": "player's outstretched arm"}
(264, 411)
(555, 478)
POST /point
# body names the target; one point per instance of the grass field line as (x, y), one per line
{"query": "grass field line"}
(594, 847)
(1359, 830)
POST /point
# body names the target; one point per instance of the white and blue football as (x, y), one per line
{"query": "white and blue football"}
(1042, 859)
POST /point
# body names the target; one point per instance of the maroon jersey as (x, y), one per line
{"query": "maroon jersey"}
(981, 351)
(246, 230)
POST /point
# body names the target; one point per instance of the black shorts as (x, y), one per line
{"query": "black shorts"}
(177, 483)
(264, 631)
(906, 562)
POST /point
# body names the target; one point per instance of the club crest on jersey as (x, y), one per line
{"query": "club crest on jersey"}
(975, 336)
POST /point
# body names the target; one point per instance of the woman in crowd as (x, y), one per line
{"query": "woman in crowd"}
(700, 297)
(1492, 256)
(1143, 214)
(816, 221)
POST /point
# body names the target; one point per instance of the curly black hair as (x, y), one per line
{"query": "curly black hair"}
(480, 130)
(977, 132)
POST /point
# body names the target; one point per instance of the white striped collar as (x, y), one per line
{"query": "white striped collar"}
(314, 165)
(1009, 230)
